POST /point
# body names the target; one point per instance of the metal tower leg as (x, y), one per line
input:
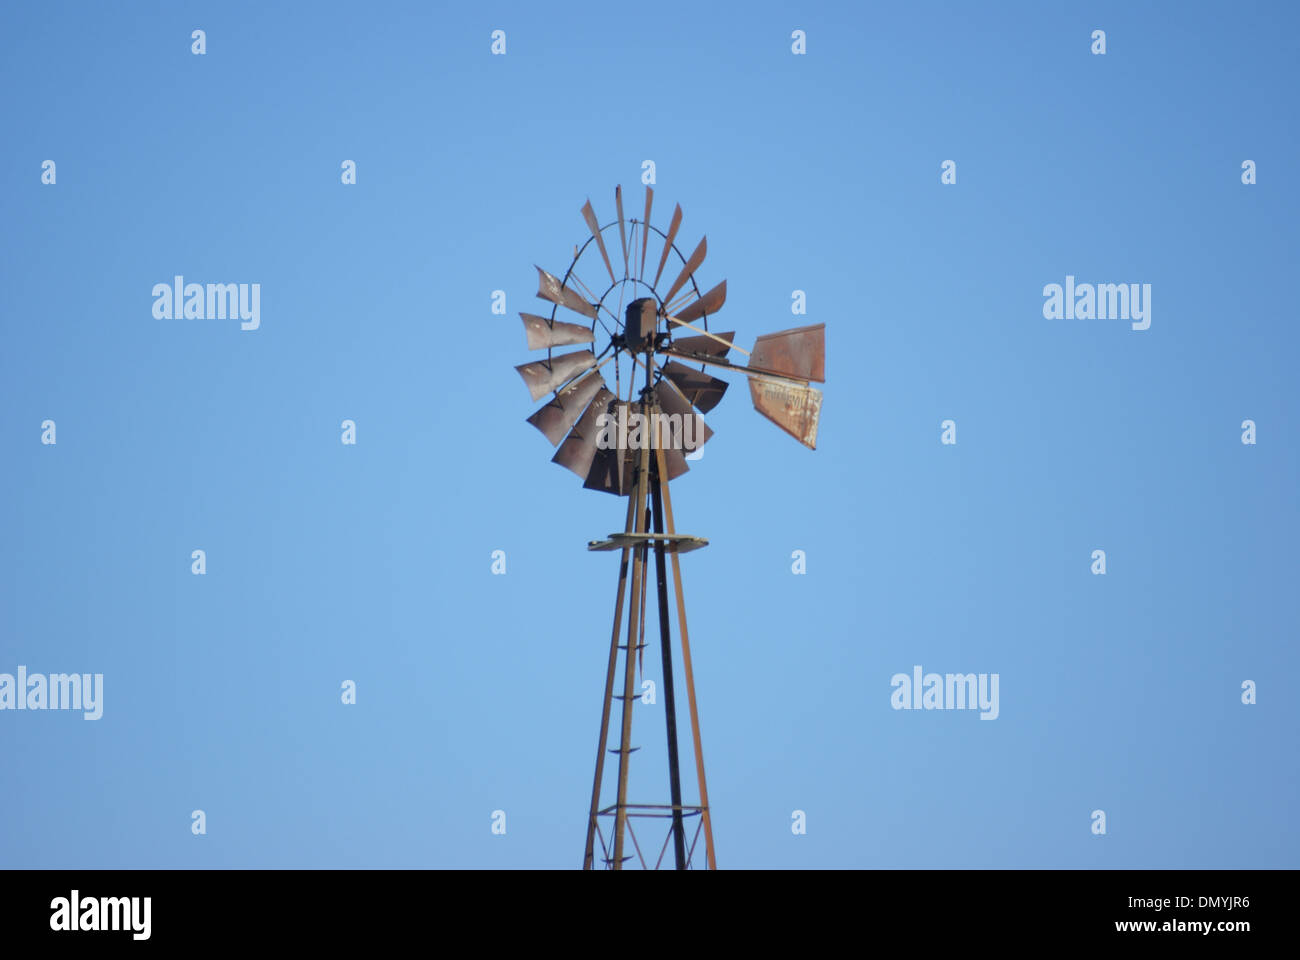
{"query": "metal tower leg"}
(638, 571)
(629, 526)
(665, 645)
(686, 667)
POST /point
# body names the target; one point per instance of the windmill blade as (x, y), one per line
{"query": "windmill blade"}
(668, 243)
(702, 390)
(612, 466)
(622, 234)
(675, 461)
(550, 288)
(673, 403)
(798, 353)
(645, 228)
(794, 409)
(543, 376)
(716, 345)
(555, 419)
(589, 215)
(710, 303)
(693, 261)
(605, 474)
(579, 447)
(546, 333)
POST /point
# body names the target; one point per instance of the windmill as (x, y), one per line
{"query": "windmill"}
(630, 439)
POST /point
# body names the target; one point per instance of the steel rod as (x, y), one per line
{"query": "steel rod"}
(705, 816)
(665, 645)
(706, 333)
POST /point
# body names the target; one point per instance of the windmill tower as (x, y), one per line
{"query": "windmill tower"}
(631, 440)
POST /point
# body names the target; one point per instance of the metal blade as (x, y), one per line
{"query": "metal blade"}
(543, 333)
(710, 303)
(704, 391)
(675, 461)
(622, 234)
(550, 288)
(611, 466)
(672, 402)
(606, 476)
(668, 243)
(799, 353)
(589, 215)
(794, 409)
(692, 262)
(579, 447)
(705, 346)
(645, 231)
(566, 407)
(543, 376)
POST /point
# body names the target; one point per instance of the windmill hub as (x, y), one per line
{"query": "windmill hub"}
(639, 324)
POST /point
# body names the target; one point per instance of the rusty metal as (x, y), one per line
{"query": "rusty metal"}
(702, 390)
(638, 571)
(677, 464)
(543, 333)
(708, 345)
(673, 403)
(794, 409)
(799, 353)
(611, 472)
(593, 825)
(622, 234)
(674, 543)
(640, 323)
(543, 376)
(668, 243)
(689, 674)
(709, 304)
(658, 469)
(555, 419)
(688, 268)
(645, 229)
(589, 215)
(579, 447)
(550, 288)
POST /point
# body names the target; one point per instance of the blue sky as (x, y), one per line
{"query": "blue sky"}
(372, 562)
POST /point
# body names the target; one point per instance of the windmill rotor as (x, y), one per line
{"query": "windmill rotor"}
(642, 326)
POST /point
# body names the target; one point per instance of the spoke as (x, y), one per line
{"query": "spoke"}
(593, 298)
(577, 281)
(621, 290)
(714, 336)
(684, 300)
